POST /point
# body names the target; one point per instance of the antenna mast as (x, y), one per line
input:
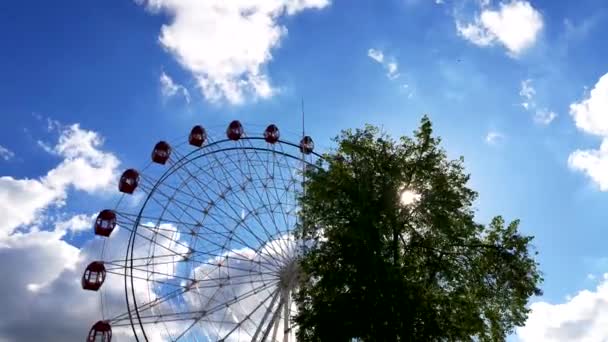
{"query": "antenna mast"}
(303, 132)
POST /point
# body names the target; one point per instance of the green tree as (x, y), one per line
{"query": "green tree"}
(399, 255)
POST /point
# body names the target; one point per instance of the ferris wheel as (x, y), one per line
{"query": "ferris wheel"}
(208, 252)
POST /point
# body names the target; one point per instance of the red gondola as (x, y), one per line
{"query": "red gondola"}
(105, 223)
(307, 145)
(271, 134)
(198, 135)
(235, 130)
(128, 181)
(100, 332)
(94, 276)
(161, 152)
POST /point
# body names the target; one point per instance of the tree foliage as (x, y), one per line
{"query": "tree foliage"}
(385, 270)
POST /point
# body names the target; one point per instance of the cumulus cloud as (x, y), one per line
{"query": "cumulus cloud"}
(594, 163)
(581, 318)
(389, 64)
(169, 88)
(589, 115)
(44, 283)
(84, 167)
(227, 44)
(515, 25)
(5, 153)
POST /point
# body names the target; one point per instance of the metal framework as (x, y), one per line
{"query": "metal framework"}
(210, 254)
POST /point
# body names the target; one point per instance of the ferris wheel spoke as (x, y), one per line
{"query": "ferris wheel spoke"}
(288, 188)
(231, 236)
(266, 187)
(278, 198)
(223, 197)
(266, 314)
(242, 186)
(191, 231)
(172, 199)
(269, 236)
(238, 197)
(190, 315)
(273, 176)
(152, 303)
(243, 242)
(248, 317)
(149, 272)
(274, 322)
(227, 266)
(119, 264)
(146, 279)
(131, 218)
(157, 243)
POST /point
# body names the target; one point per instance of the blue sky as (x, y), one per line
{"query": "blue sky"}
(513, 86)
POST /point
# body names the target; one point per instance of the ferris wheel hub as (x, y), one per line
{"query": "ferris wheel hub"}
(289, 275)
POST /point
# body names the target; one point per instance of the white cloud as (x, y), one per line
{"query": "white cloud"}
(583, 318)
(84, 167)
(169, 88)
(542, 116)
(594, 163)
(527, 91)
(5, 153)
(589, 115)
(376, 55)
(226, 44)
(45, 288)
(391, 66)
(392, 70)
(516, 25)
(75, 224)
(494, 137)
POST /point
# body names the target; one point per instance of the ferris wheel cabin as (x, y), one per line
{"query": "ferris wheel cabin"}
(128, 181)
(307, 145)
(105, 223)
(198, 135)
(161, 152)
(94, 276)
(235, 130)
(271, 134)
(100, 332)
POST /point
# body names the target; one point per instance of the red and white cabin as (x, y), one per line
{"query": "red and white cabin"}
(94, 276)
(128, 181)
(272, 134)
(161, 152)
(235, 130)
(198, 136)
